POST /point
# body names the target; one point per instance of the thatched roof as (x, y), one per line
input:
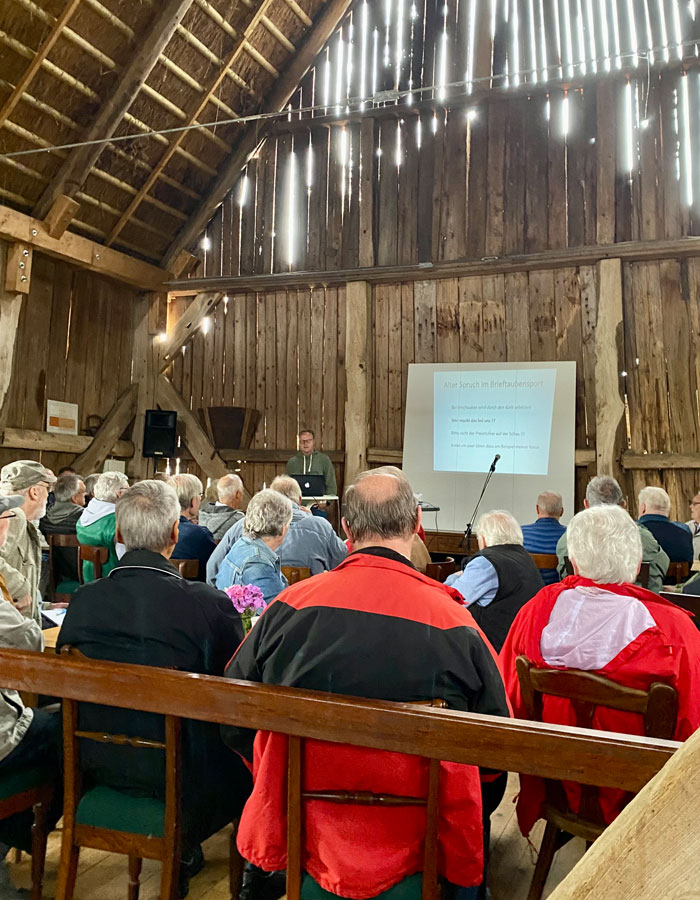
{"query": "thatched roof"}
(85, 68)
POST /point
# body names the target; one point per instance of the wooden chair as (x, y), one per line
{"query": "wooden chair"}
(296, 573)
(97, 817)
(586, 691)
(643, 578)
(98, 556)
(29, 790)
(440, 568)
(545, 560)
(679, 571)
(296, 795)
(691, 602)
(65, 541)
(188, 568)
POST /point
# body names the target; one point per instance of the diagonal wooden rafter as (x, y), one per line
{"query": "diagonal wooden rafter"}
(109, 432)
(37, 61)
(177, 139)
(74, 170)
(186, 326)
(324, 26)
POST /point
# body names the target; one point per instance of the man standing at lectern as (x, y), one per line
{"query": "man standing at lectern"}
(309, 461)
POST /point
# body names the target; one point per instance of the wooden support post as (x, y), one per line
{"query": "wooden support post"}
(10, 306)
(193, 435)
(651, 849)
(367, 181)
(108, 433)
(610, 407)
(358, 375)
(606, 149)
(18, 271)
(61, 215)
(144, 371)
(185, 327)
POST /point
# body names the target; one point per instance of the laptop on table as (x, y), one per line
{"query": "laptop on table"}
(311, 485)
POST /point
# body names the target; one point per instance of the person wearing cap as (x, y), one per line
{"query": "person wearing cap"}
(20, 557)
(29, 739)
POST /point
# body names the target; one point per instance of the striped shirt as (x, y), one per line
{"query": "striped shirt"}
(542, 537)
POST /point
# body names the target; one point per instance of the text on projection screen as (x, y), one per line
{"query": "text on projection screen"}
(481, 413)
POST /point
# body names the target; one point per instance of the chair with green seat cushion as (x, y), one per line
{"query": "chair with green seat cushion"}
(30, 789)
(408, 888)
(103, 807)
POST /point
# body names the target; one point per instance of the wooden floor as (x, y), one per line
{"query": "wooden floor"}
(103, 876)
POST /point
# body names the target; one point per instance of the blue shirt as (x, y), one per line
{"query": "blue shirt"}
(542, 536)
(478, 583)
(194, 542)
(250, 561)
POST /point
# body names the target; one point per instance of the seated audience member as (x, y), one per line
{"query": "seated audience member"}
(90, 483)
(146, 613)
(310, 541)
(603, 490)
(500, 579)
(675, 538)
(541, 536)
(62, 518)
(253, 559)
(96, 526)
(694, 524)
(372, 627)
(29, 738)
(597, 620)
(195, 541)
(219, 516)
(20, 557)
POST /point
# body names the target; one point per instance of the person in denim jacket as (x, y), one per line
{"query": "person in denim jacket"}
(253, 559)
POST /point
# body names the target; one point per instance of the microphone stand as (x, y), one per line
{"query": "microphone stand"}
(470, 524)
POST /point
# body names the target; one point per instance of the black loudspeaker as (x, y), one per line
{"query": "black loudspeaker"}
(159, 432)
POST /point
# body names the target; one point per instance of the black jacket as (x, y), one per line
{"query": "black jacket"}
(145, 613)
(61, 518)
(519, 580)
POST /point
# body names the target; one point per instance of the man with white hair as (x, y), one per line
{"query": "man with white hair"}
(541, 536)
(654, 507)
(195, 541)
(599, 621)
(220, 516)
(96, 526)
(20, 558)
(603, 490)
(310, 541)
(500, 579)
(145, 613)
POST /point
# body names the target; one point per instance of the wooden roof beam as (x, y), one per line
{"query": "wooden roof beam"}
(326, 22)
(72, 248)
(37, 61)
(177, 139)
(70, 177)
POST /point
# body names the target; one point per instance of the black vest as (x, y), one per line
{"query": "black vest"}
(519, 580)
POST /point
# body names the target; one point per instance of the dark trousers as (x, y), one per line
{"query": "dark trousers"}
(40, 748)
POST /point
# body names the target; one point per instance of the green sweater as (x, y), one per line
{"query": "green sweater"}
(315, 464)
(651, 553)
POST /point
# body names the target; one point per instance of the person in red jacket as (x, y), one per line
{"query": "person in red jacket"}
(372, 627)
(599, 621)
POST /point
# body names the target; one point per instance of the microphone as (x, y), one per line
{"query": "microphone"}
(495, 460)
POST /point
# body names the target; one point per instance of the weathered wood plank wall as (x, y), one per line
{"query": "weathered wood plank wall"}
(74, 343)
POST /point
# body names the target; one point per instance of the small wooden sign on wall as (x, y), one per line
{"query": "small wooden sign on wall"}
(61, 418)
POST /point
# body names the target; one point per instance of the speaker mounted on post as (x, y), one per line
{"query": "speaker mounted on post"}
(159, 433)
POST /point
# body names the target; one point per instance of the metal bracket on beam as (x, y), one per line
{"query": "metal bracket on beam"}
(18, 274)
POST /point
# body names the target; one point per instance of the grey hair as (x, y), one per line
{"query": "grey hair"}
(67, 486)
(90, 483)
(267, 514)
(604, 543)
(146, 514)
(550, 503)
(228, 486)
(395, 516)
(498, 527)
(187, 487)
(288, 487)
(655, 498)
(109, 484)
(603, 490)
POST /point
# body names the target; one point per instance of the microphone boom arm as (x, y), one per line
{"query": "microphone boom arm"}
(472, 521)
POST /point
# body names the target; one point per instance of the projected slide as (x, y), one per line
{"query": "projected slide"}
(480, 413)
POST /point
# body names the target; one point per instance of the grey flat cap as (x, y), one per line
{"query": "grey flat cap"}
(16, 476)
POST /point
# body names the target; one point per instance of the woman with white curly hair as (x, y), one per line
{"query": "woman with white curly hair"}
(597, 620)
(253, 559)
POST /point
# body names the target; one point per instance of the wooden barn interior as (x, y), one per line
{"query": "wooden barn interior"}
(279, 205)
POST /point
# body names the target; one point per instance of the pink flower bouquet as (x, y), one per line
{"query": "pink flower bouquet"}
(248, 600)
